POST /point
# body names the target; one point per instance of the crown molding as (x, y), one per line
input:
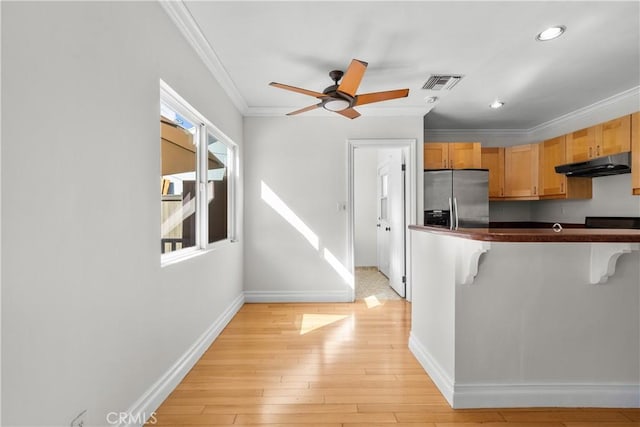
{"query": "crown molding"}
(183, 19)
(488, 137)
(588, 110)
(628, 99)
(481, 132)
(369, 112)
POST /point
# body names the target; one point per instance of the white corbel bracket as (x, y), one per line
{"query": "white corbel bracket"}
(468, 258)
(604, 257)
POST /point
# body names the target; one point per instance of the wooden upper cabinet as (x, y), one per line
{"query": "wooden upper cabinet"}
(581, 144)
(452, 155)
(465, 155)
(436, 155)
(492, 158)
(616, 137)
(605, 139)
(635, 153)
(521, 171)
(552, 153)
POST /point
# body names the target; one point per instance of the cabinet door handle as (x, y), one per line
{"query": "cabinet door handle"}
(535, 190)
(597, 150)
(388, 229)
(590, 152)
(444, 164)
(455, 207)
(502, 191)
(562, 187)
(451, 164)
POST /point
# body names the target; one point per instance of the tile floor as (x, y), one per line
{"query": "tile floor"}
(370, 282)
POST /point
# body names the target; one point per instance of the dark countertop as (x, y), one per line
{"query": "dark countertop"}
(534, 235)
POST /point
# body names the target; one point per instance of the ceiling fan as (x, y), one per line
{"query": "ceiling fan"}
(341, 97)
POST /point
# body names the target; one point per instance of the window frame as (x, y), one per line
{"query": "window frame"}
(205, 127)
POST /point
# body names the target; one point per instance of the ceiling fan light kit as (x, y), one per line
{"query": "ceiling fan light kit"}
(341, 97)
(335, 105)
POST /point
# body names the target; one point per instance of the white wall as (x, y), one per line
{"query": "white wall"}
(547, 324)
(510, 211)
(611, 197)
(433, 326)
(530, 330)
(365, 206)
(89, 318)
(304, 161)
(0, 215)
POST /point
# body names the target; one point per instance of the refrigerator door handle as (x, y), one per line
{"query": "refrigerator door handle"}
(450, 214)
(455, 208)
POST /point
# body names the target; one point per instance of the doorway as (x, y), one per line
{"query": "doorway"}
(381, 204)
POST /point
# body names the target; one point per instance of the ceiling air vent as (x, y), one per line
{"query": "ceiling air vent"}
(442, 81)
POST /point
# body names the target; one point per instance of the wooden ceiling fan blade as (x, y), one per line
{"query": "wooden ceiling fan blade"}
(349, 113)
(368, 98)
(305, 109)
(298, 90)
(352, 78)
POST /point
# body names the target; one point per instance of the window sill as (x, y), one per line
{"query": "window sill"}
(187, 254)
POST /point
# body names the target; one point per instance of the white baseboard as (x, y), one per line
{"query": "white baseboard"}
(546, 395)
(571, 395)
(297, 296)
(145, 406)
(441, 379)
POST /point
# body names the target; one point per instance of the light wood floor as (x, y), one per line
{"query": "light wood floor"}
(335, 365)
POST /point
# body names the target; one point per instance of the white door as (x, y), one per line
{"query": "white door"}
(396, 207)
(383, 219)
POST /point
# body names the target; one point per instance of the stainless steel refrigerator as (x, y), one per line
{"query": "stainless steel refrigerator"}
(456, 198)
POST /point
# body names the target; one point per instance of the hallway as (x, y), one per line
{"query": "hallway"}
(370, 282)
(333, 365)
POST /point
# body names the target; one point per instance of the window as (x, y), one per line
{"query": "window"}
(384, 197)
(197, 161)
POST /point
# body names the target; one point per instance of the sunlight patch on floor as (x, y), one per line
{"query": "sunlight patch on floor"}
(372, 301)
(311, 322)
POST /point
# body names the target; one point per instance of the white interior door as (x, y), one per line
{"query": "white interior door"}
(396, 233)
(383, 224)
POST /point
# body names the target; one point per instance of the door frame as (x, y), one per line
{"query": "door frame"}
(381, 169)
(410, 199)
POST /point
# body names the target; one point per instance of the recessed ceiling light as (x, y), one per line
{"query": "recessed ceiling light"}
(496, 104)
(431, 99)
(551, 33)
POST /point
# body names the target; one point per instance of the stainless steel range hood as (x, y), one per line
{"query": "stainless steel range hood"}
(601, 166)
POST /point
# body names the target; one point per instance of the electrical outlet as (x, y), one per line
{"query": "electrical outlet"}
(78, 421)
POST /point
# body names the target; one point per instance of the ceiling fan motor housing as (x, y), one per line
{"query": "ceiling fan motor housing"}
(336, 75)
(334, 96)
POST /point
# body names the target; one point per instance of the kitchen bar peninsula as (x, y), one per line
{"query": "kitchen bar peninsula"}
(528, 317)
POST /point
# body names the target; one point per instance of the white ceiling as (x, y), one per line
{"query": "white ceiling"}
(491, 43)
